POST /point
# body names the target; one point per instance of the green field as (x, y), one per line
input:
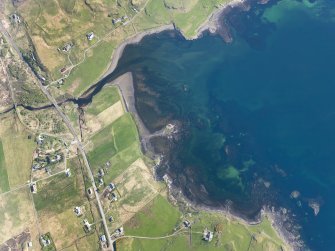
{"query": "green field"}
(108, 96)
(4, 183)
(59, 192)
(123, 159)
(160, 218)
(15, 152)
(89, 71)
(18, 165)
(119, 138)
(146, 222)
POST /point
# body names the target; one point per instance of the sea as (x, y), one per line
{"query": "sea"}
(256, 114)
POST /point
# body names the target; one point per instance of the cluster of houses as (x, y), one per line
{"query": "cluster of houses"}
(69, 45)
(109, 192)
(45, 157)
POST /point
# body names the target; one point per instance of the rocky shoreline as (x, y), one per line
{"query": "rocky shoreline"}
(176, 195)
(215, 24)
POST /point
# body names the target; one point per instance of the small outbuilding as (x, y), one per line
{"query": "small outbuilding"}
(111, 186)
(208, 235)
(15, 18)
(103, 238)
(33, 187)
(90, 36)
(101, 172)
(87, 225)
(187, 224)
(113, 197)
(77, 211)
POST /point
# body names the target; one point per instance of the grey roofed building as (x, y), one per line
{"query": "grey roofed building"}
(111, 186)
(87, 225)
(33, 187)
(15, 18)
(90, 36)
(101, 172)
(103, 238)
(77, 211)
(208, 235)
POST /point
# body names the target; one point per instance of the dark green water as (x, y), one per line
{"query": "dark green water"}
(258, 114)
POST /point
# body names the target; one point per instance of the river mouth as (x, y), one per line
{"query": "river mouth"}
(256, 115)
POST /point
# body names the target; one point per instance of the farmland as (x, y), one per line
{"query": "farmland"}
(104, 99)
(229, 233)
(15, 140)
(55, 201)
(115, 140)
(16, 214)
(4, 183)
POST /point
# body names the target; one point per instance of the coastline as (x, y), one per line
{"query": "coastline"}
(125, 84)
(132, 40)
(212, 24)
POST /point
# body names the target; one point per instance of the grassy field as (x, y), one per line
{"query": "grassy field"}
(108, 96)
(88, 72)
(136, 187)
(229, 234)
(158, 218)
(60, 192)
(114, 140)
(4, 183)
(66, 228)
(55, 200)
(16, 213)
(17, 150)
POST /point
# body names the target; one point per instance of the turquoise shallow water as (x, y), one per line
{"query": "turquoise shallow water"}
(258, 114)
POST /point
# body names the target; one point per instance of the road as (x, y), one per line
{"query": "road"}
(67, 122)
